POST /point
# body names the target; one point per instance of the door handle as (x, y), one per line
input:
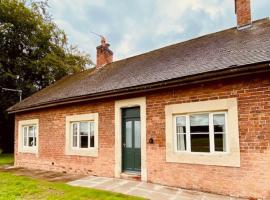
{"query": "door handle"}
(124, 145)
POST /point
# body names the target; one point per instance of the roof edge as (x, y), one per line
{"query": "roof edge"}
(188, 40)
(233, 71)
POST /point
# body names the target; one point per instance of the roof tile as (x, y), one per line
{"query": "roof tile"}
(212, 52)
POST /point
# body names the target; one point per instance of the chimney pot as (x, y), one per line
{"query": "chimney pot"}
(243, 13)
(104, 54)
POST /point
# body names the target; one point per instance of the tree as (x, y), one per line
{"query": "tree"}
(34, 53)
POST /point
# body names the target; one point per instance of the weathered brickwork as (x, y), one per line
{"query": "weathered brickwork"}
(252, 179)
(243, 12)
(51, 154)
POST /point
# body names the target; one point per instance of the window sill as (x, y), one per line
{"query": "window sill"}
(231, 159)
(29, 150)
(202, 153)
(69, 150)
(218, 159)
(93, 152)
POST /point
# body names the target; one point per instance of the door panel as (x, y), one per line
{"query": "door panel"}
(137, 134)
(128, 140)
(137, 145)
(131, 141)
(127, 146)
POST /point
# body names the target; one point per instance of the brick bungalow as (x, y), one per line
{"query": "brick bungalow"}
(193, 115)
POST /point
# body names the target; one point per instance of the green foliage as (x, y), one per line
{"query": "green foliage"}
(19, 187)
(34, 52)
(6, 159)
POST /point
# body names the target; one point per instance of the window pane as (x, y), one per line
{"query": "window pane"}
(181, 133)
(219, 123)
(137, 130)
(199, 123)
(83, 141)
(219, 132)
(181, 142)
(25, 141)
(84, 134)
(31, 136)
(35, 136)
(31, 131)
(35, 141)
(74, 141)
(74, 134)
(92, 134)
(128, 134)
(25, 136)
(200, 142)
(74, 128)
(31, 141)
(220, 142)
(84, 128)
(181, 124)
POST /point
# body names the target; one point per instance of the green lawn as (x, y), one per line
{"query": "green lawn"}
(6, 159)
(13, 187)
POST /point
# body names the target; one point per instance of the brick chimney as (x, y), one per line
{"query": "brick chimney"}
(104, 54)
(243, 13)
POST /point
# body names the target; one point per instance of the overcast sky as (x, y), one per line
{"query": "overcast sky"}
(137, 26)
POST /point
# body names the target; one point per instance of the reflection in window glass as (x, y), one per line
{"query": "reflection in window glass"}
(75, 134)
(84, 129)
(220, 142)
(92, 135)
(200, 143)
(83, 134)
(25, 136)
(199, 123)
(181, 133)
(195, 133)
(137, 127)
(199, 133)
(128, 134)
(35, 136)
(219, 132)
(29, 136)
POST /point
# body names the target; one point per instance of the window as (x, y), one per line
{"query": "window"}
(201, 132)
(83, 134)
(29, 136)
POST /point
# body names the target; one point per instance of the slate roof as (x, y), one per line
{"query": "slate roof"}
(213, 52)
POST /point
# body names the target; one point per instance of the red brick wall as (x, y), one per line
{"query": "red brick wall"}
(243, 12)
(52, 141)
(250, 180)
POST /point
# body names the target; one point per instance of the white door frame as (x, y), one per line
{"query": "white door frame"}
(127, 103)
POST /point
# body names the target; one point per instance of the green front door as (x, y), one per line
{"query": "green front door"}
(131, 139)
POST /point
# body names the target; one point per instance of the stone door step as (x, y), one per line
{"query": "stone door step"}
(131, 176)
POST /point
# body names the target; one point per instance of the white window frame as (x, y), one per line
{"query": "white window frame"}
(211, 133)
(230, 158)
(27, 135)
(90, 151)
(21, 147)
(78, 135)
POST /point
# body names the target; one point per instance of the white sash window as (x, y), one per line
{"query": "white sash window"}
(203, 133)
(83, 135)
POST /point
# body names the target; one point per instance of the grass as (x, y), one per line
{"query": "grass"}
(6, 159)
(13, 187)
